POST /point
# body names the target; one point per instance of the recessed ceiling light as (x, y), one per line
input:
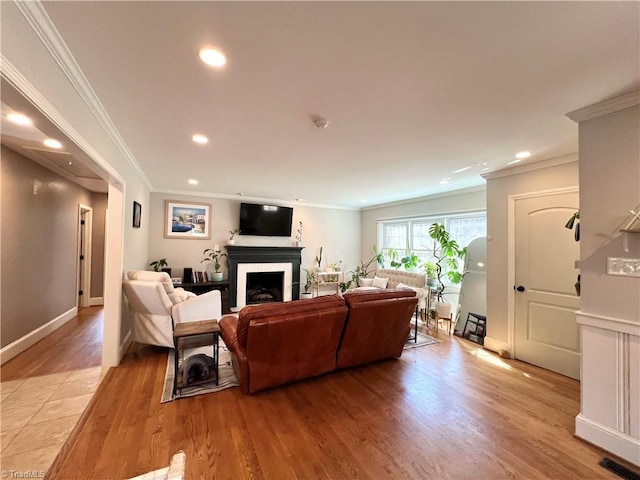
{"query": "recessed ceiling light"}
(521, 155)
(20, 119)
(212, 56)
(241, 194)
(299, 199)
(460, 170)
(201, 139)
(444, 181)
(193, 181)
(52, 143)
(514, 161)
(485, 169)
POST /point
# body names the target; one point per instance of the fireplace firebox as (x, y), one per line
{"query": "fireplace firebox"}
(264, 287)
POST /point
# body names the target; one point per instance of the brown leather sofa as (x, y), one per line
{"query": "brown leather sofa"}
(278, 343)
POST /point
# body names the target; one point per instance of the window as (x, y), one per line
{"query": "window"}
(411, 235)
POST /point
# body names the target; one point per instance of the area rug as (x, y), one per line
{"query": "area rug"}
(225, 371)
(423, 340)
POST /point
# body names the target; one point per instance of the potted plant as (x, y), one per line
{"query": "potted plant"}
(215, 257)
(233, 233)
(299, 235)
(431, 271)
(308, 283)
(160, 266)
(362, 270)
(447, 253)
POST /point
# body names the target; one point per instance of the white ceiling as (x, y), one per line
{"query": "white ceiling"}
(412, 90)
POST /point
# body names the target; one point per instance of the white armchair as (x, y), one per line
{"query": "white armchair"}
(157, 306)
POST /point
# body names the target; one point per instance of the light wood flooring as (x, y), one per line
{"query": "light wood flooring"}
(449, 410)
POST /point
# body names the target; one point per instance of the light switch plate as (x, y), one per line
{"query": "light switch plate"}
(628, 267)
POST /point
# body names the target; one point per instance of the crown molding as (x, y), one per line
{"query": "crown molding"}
(28, 91)
(530, 167)
(42, 25)
(246, 198)
(605, 107)
(452, 193)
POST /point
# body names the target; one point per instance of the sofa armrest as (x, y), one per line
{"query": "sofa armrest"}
(229, 331)
(203, 307)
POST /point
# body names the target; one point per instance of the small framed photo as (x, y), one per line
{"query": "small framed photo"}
(137, 214)
(187, 220)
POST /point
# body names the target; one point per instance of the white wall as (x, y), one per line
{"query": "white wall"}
(541, 176)
(336, 231)
(609, 315)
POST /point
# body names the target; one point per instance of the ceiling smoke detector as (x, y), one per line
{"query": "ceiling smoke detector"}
(321, 122)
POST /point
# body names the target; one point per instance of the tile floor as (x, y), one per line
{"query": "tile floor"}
(37, 415)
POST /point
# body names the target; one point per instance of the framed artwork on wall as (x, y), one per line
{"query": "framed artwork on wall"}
(187, 220)
(137, 214)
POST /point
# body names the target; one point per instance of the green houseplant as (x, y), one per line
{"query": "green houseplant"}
(447, 253)
(362, 270)
(431, 271)
(215, 257)
(232, 234)
(158, 265)
(311, 276)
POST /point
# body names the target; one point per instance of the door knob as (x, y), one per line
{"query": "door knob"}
(520, 288)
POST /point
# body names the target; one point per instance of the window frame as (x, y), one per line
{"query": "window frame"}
(428, 219)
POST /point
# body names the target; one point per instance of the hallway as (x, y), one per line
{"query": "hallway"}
(44, 390)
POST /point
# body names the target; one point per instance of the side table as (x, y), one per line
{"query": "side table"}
(192, 335)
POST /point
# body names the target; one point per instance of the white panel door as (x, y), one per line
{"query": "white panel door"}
(546, 332)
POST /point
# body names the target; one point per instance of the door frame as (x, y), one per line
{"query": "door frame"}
(511, 255)
(83, 275)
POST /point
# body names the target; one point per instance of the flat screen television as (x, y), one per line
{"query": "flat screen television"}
(265, 220)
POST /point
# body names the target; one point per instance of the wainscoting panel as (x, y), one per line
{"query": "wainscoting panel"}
(610, 385)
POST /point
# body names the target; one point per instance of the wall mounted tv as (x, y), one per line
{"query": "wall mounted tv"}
(265, 220)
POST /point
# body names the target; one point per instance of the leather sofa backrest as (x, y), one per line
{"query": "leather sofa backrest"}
(377, 326)
(285, 342)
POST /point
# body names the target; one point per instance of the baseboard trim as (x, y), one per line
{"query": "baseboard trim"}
(33, 337)
(495, 345)
(124, 346)
(618, 443)
(96, 301)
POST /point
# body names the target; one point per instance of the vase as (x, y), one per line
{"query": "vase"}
(216, 277)
(443, 310)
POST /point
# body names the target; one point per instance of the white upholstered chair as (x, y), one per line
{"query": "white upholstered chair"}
(156, 306)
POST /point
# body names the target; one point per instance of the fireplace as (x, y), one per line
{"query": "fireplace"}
(245, 261)
(264, 287)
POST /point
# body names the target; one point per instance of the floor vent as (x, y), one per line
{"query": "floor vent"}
(618, 469)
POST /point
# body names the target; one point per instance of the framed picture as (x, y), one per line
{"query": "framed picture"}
(137, 214)
(187, 220)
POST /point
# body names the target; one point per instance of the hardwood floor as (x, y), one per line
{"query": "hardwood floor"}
(448, 410)
(75, 345)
